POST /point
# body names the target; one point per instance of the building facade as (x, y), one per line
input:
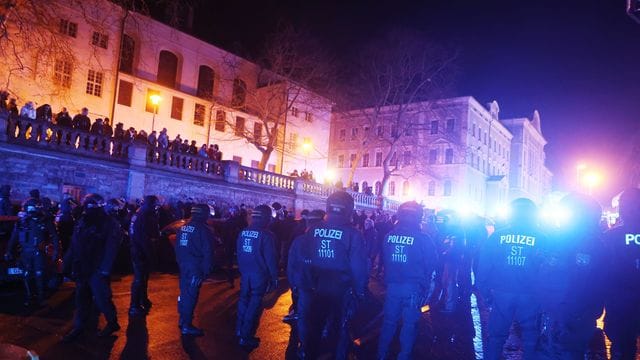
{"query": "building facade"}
(456, 154)
(112, 61)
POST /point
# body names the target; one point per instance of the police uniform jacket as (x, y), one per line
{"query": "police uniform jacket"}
(409, 256)
(257, 253)
(94, 246)
(194, 251)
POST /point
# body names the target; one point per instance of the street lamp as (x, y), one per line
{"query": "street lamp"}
(155, 100)
(306, 147)
(592, 179)
(579, 168)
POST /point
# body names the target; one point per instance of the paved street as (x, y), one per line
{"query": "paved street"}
(158, 337)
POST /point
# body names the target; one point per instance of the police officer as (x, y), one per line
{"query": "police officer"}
(144, 230)
(409, 259)
(65, 219)
(338, 273)
(33, 232)
(295, 268)
(94, 246)
(258, 267)
(572, 281)
(194, 254)
(622, 320)
(509, 267)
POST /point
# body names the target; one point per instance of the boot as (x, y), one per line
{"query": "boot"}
(72, 335)
(249, 342)
(190, 330)
(137, 311)
(109, 329)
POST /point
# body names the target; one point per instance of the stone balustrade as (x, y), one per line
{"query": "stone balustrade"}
(44, 134)
(138, 156)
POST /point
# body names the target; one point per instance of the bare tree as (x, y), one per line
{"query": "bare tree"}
(291, 71)
(396, 75)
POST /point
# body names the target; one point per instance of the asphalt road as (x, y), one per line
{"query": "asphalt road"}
(453, 336)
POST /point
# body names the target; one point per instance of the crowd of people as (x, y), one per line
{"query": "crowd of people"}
(554, 281)
(100, 127)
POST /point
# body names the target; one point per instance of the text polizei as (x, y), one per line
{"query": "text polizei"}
(326, 243)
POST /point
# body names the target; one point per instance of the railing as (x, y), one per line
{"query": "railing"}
(310, 187)
(183, 162)
(45, 134)
(265, 178)
(42, 134)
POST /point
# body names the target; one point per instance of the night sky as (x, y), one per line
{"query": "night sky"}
(576, 62)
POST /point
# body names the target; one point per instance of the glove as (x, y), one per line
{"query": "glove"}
(8, 257)
(272, 286)
(196, 281)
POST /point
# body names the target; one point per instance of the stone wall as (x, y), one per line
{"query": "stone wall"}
(42, 158)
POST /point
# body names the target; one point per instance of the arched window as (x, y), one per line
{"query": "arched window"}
(405, 188)
(392, 188)
(167, 69)
(205, 82)
(239, 95)
(447, 188)
(365, 185)
(432, 188)
(378, 188)
(127, 52)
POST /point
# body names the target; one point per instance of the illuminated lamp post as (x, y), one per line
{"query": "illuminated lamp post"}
(579, 168)
(592, 180)
(306, 148)
(155, 100)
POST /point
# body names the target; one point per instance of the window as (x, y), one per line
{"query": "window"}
(220, 121)
(406, 158)
(434, 127)
(448, 156)
(308, 117)
(406, 188)
(125, 93)
(255, 164)
(127, 52)
(237, 159)
(380, 131)
(447, 188)
(239, 96)
(451, 123)
(392, 188)
(198, 115)
(271, 168)
(365, 186)
(473, 131)
(431, 190)
(167, 69)
(68, 28)
(342, 135)
(377, 189)
(239, 128)
(378, 159)
(433, 156)
(149, 106)
(294, 111)
(99, 39)
(94, 83)
(62, 73)
(257, 132)
(205, 82)
(340, 161)
(365, 160)
(176, 108)
(485, 138)
(352, 160)
(394, 131)
(394, 159)
(354, 133)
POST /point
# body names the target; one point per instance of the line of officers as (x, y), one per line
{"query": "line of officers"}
(554, 284)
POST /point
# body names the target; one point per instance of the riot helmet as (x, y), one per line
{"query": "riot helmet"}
(523, 211)
(410, 213)
(340, 204)
(261, 215)
(629, 205)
